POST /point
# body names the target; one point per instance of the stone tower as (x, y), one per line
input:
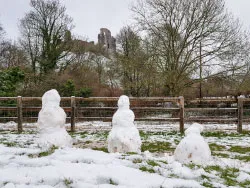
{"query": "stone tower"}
(108, 41)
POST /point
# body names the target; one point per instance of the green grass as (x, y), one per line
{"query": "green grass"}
(145, 169)
(137, 160)
(173, 176)
(213, 168)
(244, 158)
(220, 134)
(216, 147)
(165, 162)
(104, 149)
(152, 163)
(146, 134)
(223, 155)
(239, 149)
(88, 142)
(10, 144)
(228, 175)
(156, 147)
(48, 152)
(29, 132)
(193, 166)
(176, 141)
(3, 139)
(111, 182)
(207, 184)
(44, 153)
(131, 153)
(67, 182)
(16, 132)
(101, 134)
(245, 183)
(83, 134)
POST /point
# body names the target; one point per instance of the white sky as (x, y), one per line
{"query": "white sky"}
(91, 15)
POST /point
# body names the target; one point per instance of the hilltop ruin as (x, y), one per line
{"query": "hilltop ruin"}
(107, 40)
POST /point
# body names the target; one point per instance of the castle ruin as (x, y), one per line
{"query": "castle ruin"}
(108, 41)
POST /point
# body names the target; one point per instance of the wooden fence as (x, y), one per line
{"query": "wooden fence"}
(78, 109)
(25, 109)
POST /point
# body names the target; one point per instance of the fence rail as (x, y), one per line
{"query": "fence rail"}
(26, 109)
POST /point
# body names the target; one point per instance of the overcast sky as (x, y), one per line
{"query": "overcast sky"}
(91, 15)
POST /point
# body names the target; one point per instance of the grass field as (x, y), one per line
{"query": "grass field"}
(229, 166)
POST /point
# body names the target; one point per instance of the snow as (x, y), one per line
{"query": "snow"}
(84, 167)
(141, 125)
(243, 177)
(51, 122)
(124, 136)
(193, 148)
(77, 165)
(21, 167)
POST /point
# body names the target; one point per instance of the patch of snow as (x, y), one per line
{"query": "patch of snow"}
(81, 167)
(20, 166)
(243, 177)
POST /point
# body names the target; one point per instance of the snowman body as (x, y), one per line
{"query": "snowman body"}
(193, 148)
(51, 122)
(124, 136)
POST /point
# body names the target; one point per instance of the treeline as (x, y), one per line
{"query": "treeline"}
(192, 48)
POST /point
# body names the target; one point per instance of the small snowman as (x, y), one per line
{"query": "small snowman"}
(51, 122)
(124, 136)
(193, 148)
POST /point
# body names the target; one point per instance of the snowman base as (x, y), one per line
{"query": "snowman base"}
(124, 140)
(58, 137)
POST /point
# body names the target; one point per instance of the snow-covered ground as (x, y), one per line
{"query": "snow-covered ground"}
(87, 164)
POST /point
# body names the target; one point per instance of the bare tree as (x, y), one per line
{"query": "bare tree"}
(136, 71)
(1, 43)
(190, 40)
(1, 32)
(43, 30)
(11, 55)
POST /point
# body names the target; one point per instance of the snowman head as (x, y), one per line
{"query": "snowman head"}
(123, 102)
(51, 98)
(195, 128)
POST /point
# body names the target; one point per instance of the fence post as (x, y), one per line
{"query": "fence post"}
(19, 114)
(73, 111)
(181, 102)
(240, 114)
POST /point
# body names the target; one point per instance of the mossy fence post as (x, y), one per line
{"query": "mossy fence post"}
(240, 114)
(73, 113)
(19, 114)
(181, 103)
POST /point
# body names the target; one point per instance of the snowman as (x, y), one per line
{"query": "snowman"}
(193, 148)
(124, 136)
(51, 121)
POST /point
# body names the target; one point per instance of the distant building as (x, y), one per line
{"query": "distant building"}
(105, 39)
(108, 41)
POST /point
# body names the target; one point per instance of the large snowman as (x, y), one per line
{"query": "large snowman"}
(51, 122)
(193, 148)
(124, 136)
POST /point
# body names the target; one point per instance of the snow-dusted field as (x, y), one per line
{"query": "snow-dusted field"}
(87, 164)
